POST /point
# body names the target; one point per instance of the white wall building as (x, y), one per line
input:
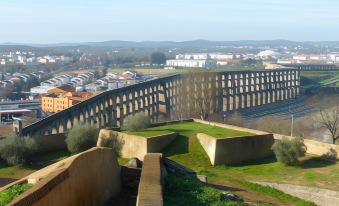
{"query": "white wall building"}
(268, 54)
(191, 63)
(192, 56)
(221, 56)
(40, 89)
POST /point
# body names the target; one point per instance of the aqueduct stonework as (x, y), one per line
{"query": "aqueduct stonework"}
(234, 90)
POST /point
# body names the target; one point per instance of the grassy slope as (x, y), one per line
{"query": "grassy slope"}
(185, 190)
(148, 133)
(195, 127)
(186, 150)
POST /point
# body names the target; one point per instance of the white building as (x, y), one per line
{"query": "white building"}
(221, 56)
(192, 56)
(199, 63)
(285, 61)
(116, 84)
(40, 89)
(268, 54)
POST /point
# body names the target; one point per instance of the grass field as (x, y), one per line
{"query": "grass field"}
(312, 171)
(148, 133)
(183, 190)
(192, 127)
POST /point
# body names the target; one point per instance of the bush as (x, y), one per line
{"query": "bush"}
(287, 151)
(112, 141)
(81, 138)
(17, 150)
(136, 122)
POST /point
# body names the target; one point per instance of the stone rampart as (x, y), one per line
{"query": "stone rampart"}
(150, 187)
(313, 147)
(234, 150)
(89, 178)
(137, 146)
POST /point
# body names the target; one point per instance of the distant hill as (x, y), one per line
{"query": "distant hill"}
(182, 44)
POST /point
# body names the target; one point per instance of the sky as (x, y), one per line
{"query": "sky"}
(61, 21)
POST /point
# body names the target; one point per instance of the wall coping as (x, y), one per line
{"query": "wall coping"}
(45, 179)
(150, 186)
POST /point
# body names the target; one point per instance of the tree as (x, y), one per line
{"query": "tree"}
(81, 138)
(196, 95)
(136, 122)
(330, 120)
(158, 58)
(17, 150)
(287, 151)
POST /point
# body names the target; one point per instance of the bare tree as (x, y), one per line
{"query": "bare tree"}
(330, 120)
(196, 95)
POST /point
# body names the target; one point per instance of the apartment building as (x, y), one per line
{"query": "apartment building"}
(57, 102)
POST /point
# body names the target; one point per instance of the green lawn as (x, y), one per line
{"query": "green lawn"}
(194, 127)
(183, 190)
(312, 171)
(147, 133)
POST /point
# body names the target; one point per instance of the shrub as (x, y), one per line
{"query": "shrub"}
(17, 150)
(287, 151)
(112, 141)
(81, 138)
(136, 122)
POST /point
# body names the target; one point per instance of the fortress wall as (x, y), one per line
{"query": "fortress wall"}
(313, 147)
(150, 187)
(137, 146)
(233, 150)
(209, 144)
(158, 143)
(89, 178)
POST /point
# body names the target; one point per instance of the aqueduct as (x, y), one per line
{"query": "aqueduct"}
(232, 91)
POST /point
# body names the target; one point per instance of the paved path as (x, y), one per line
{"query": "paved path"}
(322, 197)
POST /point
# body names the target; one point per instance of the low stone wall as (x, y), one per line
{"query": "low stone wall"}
(89, 178)
(150, 187)
(233, 150)
(136, 146)
(313, 147)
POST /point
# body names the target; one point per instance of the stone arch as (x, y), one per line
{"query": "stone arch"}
(62, 129)
(69, 123)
